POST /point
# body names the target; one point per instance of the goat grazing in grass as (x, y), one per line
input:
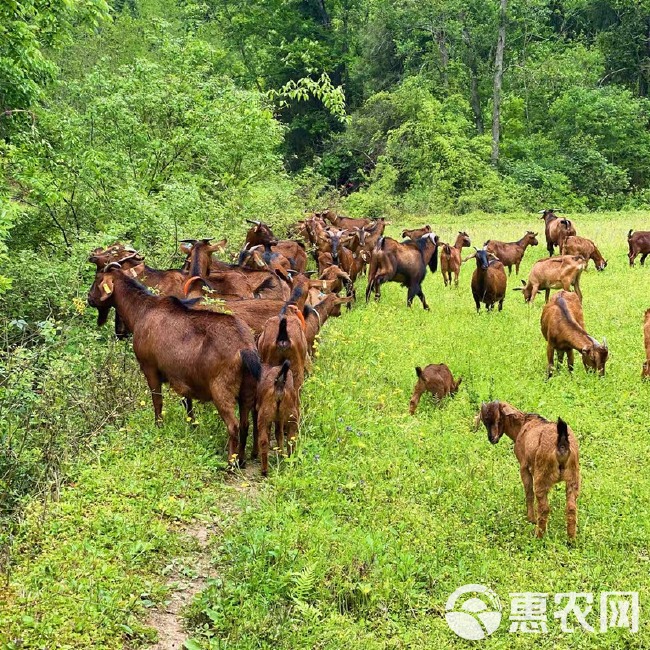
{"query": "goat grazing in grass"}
(547, 452)
(563, 327)
(437, 379)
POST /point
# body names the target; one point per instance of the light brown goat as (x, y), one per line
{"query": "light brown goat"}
(511, 253)
(547, 452)
(450, 258)
(561, 272)
(283, 338)
(416, 233)
(563, 327)
(437, 379)
(646, 339)
(584, 247)
(277, 403)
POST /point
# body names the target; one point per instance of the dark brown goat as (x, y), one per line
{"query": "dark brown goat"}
(584, 247)
(489, 281)
(556, 230)
(563, 327)
(437, 379)
(547, 452)
(638, 244)
(404, 262)
(450, 258)
(416, 233)
(511, 253)
(203, 356)
(277, 404)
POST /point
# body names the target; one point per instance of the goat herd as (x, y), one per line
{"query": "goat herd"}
(242, 335)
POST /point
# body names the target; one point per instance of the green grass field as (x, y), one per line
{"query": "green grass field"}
(359, 539)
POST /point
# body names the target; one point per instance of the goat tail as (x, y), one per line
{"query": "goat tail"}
(629, 234)
(281, 379)
(282, 339)
(251, 363)
(381, 242)
(562, 439)
(447, 249)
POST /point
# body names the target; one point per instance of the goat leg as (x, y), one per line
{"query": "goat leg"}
(155, 386)
(571, 508)
(527, 480)
(541, 493)
(550, 353)
(189, 408)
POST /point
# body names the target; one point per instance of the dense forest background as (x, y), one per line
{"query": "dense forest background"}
(147, 121)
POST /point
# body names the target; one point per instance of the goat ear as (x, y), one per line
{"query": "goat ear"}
(186, 248)
(219, 246)
(418, 371)
(506, 409)
(106, 288)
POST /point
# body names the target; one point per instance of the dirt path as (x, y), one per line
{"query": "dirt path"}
(189, 574)
(187, 579)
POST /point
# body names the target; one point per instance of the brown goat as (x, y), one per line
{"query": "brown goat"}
(404, 262)
(277, 403)
(575, 245)
(450, 258)
(547, 452)
(316, 315)
(343, 222)
(437, 379)
(283, 338)
(553, 273)
(372, 233)
(416, 233)
(556, 230)
(489, 281)
(638, 244)
(646, 340)
(203, 356)
(563, 327)
(261, 234)
(511, 253)
(225, 279)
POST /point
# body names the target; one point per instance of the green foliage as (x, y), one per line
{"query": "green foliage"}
(27, 29)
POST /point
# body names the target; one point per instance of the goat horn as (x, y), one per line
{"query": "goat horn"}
(112, 265)
(128, 257)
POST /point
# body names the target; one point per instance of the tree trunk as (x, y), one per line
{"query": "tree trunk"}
(498, 80)
(441, 41)
(475, 100)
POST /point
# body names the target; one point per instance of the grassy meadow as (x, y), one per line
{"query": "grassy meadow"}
(358, 540)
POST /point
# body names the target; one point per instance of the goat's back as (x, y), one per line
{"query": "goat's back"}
(536, 447)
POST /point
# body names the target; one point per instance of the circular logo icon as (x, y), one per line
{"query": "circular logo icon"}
(473, 612)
